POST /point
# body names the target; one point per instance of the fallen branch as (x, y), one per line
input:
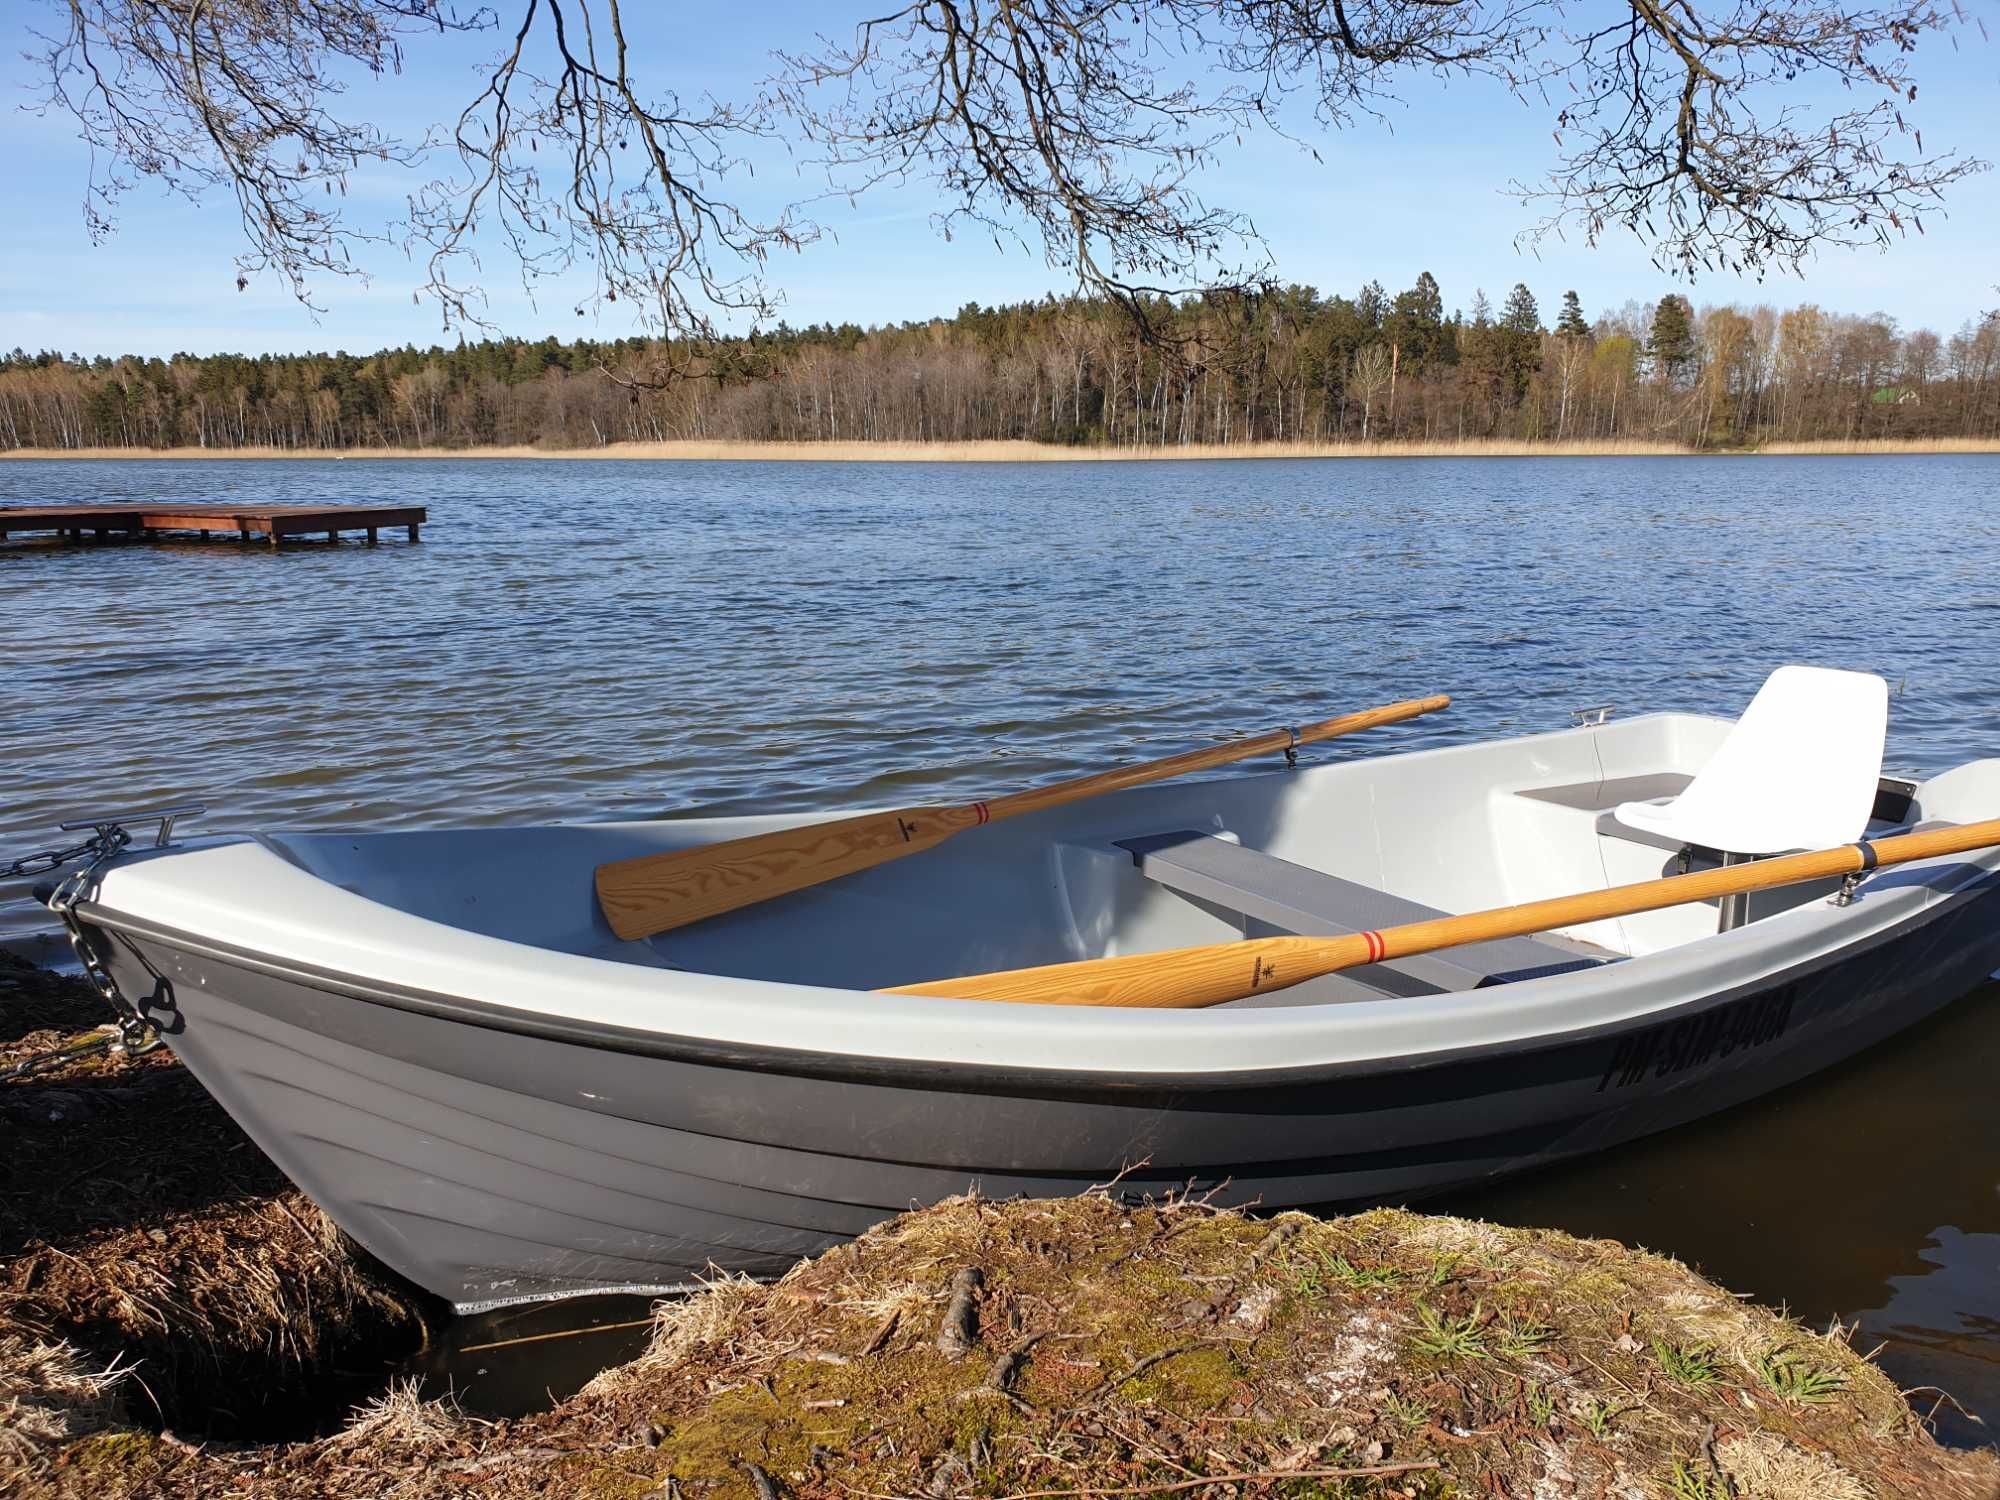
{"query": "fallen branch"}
(959, 1329)
(1157, 1357)
(884, 1331)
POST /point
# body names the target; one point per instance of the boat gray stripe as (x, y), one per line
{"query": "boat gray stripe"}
(931, 1073)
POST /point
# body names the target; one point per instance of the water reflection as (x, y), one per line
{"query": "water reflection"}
(521, 1359)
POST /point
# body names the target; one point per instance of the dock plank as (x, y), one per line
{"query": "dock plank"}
(139, 520)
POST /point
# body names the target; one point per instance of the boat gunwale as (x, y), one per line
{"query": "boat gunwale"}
(988, 1077)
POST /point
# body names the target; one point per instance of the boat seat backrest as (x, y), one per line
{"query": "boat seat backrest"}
(1799, 770)
(1292, 898)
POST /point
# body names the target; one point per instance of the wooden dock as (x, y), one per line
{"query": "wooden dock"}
(271, 523)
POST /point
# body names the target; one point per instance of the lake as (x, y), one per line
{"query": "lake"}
(578, 640)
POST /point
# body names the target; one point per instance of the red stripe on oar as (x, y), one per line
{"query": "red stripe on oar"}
(984, 815)
(1376, 947)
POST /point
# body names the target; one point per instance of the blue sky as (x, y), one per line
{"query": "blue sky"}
(1423, 191)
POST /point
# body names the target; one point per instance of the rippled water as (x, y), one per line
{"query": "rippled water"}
(618, 639)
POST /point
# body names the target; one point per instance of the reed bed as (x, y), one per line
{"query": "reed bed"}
(1887, 445)
(995, 451)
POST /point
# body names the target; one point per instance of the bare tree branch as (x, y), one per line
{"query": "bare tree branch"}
(234, 94)
(635, 191)
(1680, 133)
(1079, 129)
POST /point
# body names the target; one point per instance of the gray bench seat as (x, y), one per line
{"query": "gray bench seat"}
(1281, 897)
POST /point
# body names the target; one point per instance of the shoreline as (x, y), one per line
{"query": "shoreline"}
(996, 450)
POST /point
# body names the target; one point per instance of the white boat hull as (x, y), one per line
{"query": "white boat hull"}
(436, 1036)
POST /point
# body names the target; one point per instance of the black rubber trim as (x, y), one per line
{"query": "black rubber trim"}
(928, 1073)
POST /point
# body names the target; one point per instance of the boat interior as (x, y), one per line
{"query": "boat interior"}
(1359, 842)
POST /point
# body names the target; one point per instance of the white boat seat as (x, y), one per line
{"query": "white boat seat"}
(1799, 771)
(1311, 903)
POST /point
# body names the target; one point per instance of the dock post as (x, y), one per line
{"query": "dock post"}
(371, 536)
(243, 532)
(413, 532)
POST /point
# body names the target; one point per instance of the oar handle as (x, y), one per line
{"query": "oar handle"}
(1035, 799)
(1189, 978)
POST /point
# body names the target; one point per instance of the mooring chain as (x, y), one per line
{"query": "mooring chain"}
(136, 1034)
(43, 861)
(108, 839)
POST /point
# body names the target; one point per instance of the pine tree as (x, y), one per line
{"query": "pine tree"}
(1520, 335)
(1415, 324)
(1571, 324)
(1671, 346)
(1520, 315)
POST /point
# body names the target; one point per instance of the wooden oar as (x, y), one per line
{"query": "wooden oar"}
(655, 892)
(1188, 978)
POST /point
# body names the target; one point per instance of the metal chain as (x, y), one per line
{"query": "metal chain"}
(109, 838)
(135, 1033)
(46, 860)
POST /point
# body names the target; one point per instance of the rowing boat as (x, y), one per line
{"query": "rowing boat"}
(440, 1038)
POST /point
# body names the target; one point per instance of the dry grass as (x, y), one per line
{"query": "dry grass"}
(684, 1326)
(139, 1226)
(400, 1418)
(1009, 451)
(48, 1395)
(1767, 1467)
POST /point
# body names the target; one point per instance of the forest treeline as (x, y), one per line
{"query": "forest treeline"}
(1289, 366)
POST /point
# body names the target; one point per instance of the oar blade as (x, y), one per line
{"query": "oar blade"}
(656, 893)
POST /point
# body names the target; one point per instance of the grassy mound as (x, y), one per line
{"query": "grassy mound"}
(1082, 1347)
(1026, 1350)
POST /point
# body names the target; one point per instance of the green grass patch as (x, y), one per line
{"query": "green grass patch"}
(1444, 1266)
(1687, 1364)
(1407, 1412)
(1687, 1482)
(1791, 1376)
(1538, 1405)
(1450, 1338)
(1516, 1337)
(1599, 1417)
